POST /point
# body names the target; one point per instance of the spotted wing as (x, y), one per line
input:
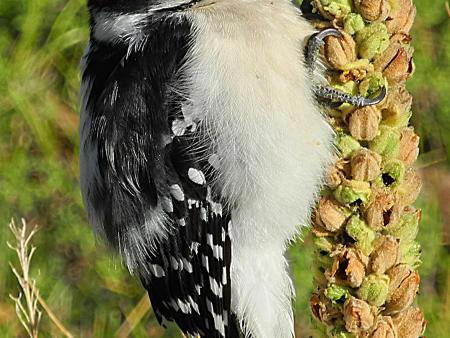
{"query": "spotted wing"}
(193, 286)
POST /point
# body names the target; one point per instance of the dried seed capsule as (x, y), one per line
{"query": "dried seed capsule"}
(358, 315)
(373, 10)
(403, 287)
(348, 268)
(365, 165)
(363, 123)
(323, 310)
(401, 17)
(410, 323)
(409, 146)
(384, 329)
(409, 190)
(396, 61)
(340, 51)
(338, 173)
(380, 210)
(332, 215)
(374, 289)
(385, 255)
(397, 107)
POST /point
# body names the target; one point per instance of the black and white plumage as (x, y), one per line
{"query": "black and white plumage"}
(201, 151)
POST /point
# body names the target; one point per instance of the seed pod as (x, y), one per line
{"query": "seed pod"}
(348, 268)
(384, 329)
(365, 165)
(340, 51)
(409, 146)
(332, 215)
(380, 211)
(397, 107)
(323, 309)
(409, 190)
(396, 61)
(373, 10)
(403, 287)
(374, 289)
(402, 16)
(363, 123)
(410, 323)
(338, 173)
(385, 255)
(358, 315)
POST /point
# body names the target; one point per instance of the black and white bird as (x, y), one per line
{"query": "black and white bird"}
(202, 149)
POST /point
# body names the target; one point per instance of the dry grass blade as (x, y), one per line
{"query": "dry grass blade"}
(134, 317)
(29, 313)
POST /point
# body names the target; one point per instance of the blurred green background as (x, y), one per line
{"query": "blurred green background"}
(41, 42)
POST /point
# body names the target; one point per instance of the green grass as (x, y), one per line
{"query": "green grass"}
(41, 42)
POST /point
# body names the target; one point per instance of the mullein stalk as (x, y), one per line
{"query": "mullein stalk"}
(365, 225)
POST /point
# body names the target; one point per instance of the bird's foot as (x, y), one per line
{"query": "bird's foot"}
(335, 97)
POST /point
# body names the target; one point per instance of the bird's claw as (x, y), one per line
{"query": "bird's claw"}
(335, 97)
(315, 42)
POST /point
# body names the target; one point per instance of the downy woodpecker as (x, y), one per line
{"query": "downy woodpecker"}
(202, 150)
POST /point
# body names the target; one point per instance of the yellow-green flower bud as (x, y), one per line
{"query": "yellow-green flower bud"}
(407, 228)
(372, 40)
(324, 244)
(339, 333)
(353, 23)
(346, 144)
(333, 8)
(374, 289)
(387, 142)
(336, 292)
(364, 236)
(372, 85)
(393, 173)
(410, 254)
(353, 191)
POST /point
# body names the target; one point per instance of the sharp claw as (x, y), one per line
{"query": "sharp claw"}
(314, 44)
(378, 99)
(328, 32)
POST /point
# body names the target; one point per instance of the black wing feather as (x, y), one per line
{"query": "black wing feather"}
(142, 162)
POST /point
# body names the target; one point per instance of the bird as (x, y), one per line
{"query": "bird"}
(202, 152)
